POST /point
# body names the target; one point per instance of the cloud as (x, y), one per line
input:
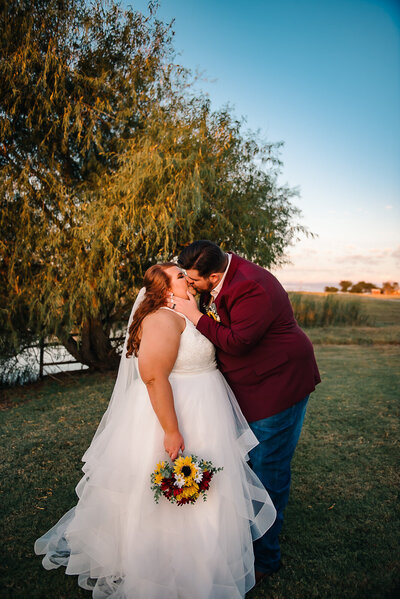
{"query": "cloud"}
(310, 259)
(396, 255)
(328, 266)
(388, 207)
(357, 258)
(372, 256)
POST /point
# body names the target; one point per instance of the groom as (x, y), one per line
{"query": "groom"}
(266, 358)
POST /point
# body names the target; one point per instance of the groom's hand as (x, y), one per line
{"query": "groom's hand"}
(187, 307)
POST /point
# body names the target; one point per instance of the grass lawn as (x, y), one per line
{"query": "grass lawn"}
(341, 531)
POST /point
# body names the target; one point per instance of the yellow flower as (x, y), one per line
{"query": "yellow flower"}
(158, 478)
(159, 467)
(189, 492)
(185, 467)
(212, 312)
(214, 316)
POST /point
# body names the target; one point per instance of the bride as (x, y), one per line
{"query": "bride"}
(169, 397)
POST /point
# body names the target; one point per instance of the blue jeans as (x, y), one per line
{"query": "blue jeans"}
(270, 460)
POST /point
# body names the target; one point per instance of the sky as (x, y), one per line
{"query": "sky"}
(324, 78)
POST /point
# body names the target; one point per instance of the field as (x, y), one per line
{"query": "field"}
(379, 319)
(341, 531)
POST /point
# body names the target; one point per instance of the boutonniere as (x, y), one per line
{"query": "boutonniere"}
(211, 311)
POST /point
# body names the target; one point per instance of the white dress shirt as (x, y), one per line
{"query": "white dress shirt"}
(214, 292)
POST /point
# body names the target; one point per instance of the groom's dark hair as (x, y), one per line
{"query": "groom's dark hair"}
(204, 256)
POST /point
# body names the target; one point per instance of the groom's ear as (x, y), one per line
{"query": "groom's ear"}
(214, 277)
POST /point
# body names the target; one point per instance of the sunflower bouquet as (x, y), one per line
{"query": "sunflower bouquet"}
(184, 480)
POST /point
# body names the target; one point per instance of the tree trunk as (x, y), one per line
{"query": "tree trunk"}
(94, 349)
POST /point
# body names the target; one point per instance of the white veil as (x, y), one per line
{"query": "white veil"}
(127, 372)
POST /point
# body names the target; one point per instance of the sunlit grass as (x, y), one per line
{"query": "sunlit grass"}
(312, 310)
(355, 335)
(382, 316)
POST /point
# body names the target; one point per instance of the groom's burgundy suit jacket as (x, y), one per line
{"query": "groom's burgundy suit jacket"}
(264, 355)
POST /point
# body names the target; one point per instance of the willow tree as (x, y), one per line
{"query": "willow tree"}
(110, 162)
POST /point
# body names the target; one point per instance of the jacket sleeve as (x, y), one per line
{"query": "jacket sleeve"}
(250, 314)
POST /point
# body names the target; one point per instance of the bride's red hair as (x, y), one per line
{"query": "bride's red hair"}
(157, 284)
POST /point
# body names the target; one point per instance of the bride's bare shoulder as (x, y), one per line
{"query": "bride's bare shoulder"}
(164, 318)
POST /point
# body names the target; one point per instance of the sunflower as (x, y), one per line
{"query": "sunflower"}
(185, 467)
(189, 492)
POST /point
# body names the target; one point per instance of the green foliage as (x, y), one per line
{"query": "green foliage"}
(317, 311)
(362, 287)
(390, 287)
(75, 81)
(110, 162)
(17, 362)
(345, 285)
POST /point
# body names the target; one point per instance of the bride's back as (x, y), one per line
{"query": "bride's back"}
(195, 353)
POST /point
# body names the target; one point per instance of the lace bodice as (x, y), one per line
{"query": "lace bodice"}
(196, 352)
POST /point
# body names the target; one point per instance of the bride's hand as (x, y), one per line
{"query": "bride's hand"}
(173, 442)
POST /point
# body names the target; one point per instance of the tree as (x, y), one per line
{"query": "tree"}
(389, 287)
(345, 285)
(362, 287)
(369, 286)
(331, 289)
(109, 163)
(76, 81)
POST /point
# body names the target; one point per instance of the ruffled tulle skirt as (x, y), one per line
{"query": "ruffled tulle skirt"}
(122, 545)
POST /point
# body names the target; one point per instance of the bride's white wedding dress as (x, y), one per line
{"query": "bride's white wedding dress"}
(120, 543)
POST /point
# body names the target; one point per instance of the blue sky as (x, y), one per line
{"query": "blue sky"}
(323, 76)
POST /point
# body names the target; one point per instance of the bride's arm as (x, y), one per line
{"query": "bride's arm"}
(159, 345)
